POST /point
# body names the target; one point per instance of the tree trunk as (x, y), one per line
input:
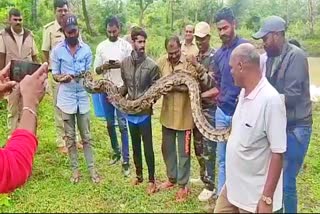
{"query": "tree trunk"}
(34, 12)
(287, 11)
(86, 17)
(311, 8)
(168, 12)
(196, 16)
(172, 11)
(141, 12)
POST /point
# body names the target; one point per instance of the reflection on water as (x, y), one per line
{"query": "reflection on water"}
(314, 69)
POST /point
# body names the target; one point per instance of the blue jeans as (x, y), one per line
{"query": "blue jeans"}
(222, 121)
(298, 139)
(122, 122)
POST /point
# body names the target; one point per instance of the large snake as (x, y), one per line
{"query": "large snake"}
(161, 87)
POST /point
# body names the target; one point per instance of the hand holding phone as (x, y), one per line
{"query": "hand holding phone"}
(19, 69)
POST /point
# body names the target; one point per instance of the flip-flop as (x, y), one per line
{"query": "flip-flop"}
(95, 178)
(75, 178)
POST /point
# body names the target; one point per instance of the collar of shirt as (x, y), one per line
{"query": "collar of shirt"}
(256, 90)
(192, 43)
(234, 42)
(80, 44)
(277, 60)
(181, 60)
(209, 52)
(57, 26)
(17, 34)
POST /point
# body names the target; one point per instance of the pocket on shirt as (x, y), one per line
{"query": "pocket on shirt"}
(246, 134)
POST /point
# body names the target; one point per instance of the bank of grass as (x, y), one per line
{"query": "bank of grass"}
(49, 189)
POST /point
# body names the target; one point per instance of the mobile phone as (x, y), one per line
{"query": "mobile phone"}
(19, 69)
(111, 62)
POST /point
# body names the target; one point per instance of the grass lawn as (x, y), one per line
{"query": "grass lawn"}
(49, 189)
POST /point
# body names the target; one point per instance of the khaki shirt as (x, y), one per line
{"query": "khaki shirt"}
(52, 35)
(176, 107)
(17, 46)
(191, 49)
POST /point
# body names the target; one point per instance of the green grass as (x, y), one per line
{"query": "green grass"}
(49, 189)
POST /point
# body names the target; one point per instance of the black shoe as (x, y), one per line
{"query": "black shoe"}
(126, 169)
(114, 160)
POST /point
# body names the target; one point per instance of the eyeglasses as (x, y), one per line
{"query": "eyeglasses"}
(17, 19)
(62, 10)
(189, 31)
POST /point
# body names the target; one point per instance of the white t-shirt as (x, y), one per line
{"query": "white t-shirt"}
(258, 129)
(108, 50)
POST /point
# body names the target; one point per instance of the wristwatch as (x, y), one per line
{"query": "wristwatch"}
(267, 200)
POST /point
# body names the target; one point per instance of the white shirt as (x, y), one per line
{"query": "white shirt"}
(108, 50)
(258, 130)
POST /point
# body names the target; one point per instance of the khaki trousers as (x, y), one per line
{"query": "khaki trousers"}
(14, 109)
(57, 114)
(224, 206)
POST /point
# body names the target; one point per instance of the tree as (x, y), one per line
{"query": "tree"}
(86, 17)
(34, 12)
(143, 5)
(312, 15)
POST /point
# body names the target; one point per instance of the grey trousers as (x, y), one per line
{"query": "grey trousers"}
(83, 121)
(178, 166)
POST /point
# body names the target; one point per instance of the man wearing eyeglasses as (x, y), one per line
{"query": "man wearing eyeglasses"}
(16, 42)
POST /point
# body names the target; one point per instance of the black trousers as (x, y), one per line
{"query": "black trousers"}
(142, 131)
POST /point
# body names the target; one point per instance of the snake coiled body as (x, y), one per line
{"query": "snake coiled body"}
(161, 87)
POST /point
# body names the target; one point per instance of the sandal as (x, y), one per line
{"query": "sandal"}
(75, 178)
(95, 178)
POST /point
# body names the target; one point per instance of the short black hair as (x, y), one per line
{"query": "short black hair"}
(172, 39)
(60, 3)
(224, 14)
(14, 12)
(112, 21)
(138, 31)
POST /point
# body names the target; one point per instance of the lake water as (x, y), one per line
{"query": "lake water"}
(314, 69)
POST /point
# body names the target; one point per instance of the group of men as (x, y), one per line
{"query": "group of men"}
(270, 132)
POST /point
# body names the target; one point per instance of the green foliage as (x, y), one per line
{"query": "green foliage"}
(164, 17)
(4, 200)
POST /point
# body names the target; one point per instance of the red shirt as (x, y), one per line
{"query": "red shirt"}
(16, 160)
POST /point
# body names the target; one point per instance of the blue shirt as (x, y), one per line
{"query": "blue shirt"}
(72, 97)
(227, 99)
(137, 119)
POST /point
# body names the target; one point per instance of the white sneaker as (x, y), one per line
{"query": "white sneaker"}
(205, 195)
(197, 181)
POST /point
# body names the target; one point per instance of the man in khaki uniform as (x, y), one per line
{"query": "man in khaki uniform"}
(176, 118)
(188, 45)
(16, 43)
(52, 35)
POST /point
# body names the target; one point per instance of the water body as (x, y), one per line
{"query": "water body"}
(314, 69)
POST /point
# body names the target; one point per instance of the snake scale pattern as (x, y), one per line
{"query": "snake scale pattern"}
(162, 87)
